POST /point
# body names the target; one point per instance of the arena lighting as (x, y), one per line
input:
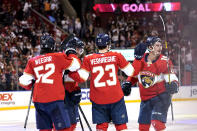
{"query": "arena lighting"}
(113, 7)
(148, 7)
(167, 6)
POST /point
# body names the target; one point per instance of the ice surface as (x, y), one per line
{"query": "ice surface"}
(185, 115)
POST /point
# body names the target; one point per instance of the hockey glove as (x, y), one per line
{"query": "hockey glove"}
(75, 97)
(66, 72)
(126, 88)
(139, 51)
(33, 82)
(172, 87)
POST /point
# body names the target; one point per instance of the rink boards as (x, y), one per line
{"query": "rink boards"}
(13, 100)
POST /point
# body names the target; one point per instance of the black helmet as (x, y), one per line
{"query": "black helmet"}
(47, 42)
(75, 43)
(102, 40)
(152, 40)
(72, 44)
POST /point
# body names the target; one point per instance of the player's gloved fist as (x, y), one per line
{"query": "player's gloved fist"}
(75, 97)
(66, 72)
(126, 88)
(139, 51)
(69, 51)
(172, 87)
(33, 82)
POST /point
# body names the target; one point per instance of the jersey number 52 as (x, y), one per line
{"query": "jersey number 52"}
(50, 68)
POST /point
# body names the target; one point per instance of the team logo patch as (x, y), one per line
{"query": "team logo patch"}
(147, 79)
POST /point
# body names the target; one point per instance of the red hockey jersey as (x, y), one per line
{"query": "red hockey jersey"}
(69, 84)
(152, 76)
(103, 70)
(47, 71)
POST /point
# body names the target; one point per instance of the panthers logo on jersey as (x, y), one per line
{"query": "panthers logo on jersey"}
(147, 79)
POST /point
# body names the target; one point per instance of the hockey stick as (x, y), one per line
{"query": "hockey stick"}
(30, 99)
(166, 45)
(85, 118)
(81, 123)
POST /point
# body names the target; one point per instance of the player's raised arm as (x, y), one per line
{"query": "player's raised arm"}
(139, 51)
(156, 82)
(83, 73)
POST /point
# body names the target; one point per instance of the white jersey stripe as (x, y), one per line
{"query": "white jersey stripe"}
(160, 78)
(84, 74)
(26, 79)
(128, 70)
(173, 77)
(75, 65)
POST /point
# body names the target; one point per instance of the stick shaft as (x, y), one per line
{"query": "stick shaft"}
(81, 123)
(85, 118)
(166, 44)
(26, 119)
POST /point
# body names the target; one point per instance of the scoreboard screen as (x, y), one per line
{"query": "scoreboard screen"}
(142, 7)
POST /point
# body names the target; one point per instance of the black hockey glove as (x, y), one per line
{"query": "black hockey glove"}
(66, 72)
(69, 51)
(75, 97)
(172, 87)
(126, 88)
(33, 82)
(139, 51)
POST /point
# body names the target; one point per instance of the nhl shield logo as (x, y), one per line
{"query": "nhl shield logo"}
(147, 80)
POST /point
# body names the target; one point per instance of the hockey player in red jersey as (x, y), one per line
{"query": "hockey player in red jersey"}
(72, 89)
(106, 94)
(49, 93)
(157, 82)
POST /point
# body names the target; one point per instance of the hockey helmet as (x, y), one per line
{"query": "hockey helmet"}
(73, 43)
(102, 40)
(152, 40)
(47, 42)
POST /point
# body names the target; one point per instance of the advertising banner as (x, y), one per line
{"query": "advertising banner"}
(20, 99)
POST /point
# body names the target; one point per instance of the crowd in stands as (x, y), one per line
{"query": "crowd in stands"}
(20, 32)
